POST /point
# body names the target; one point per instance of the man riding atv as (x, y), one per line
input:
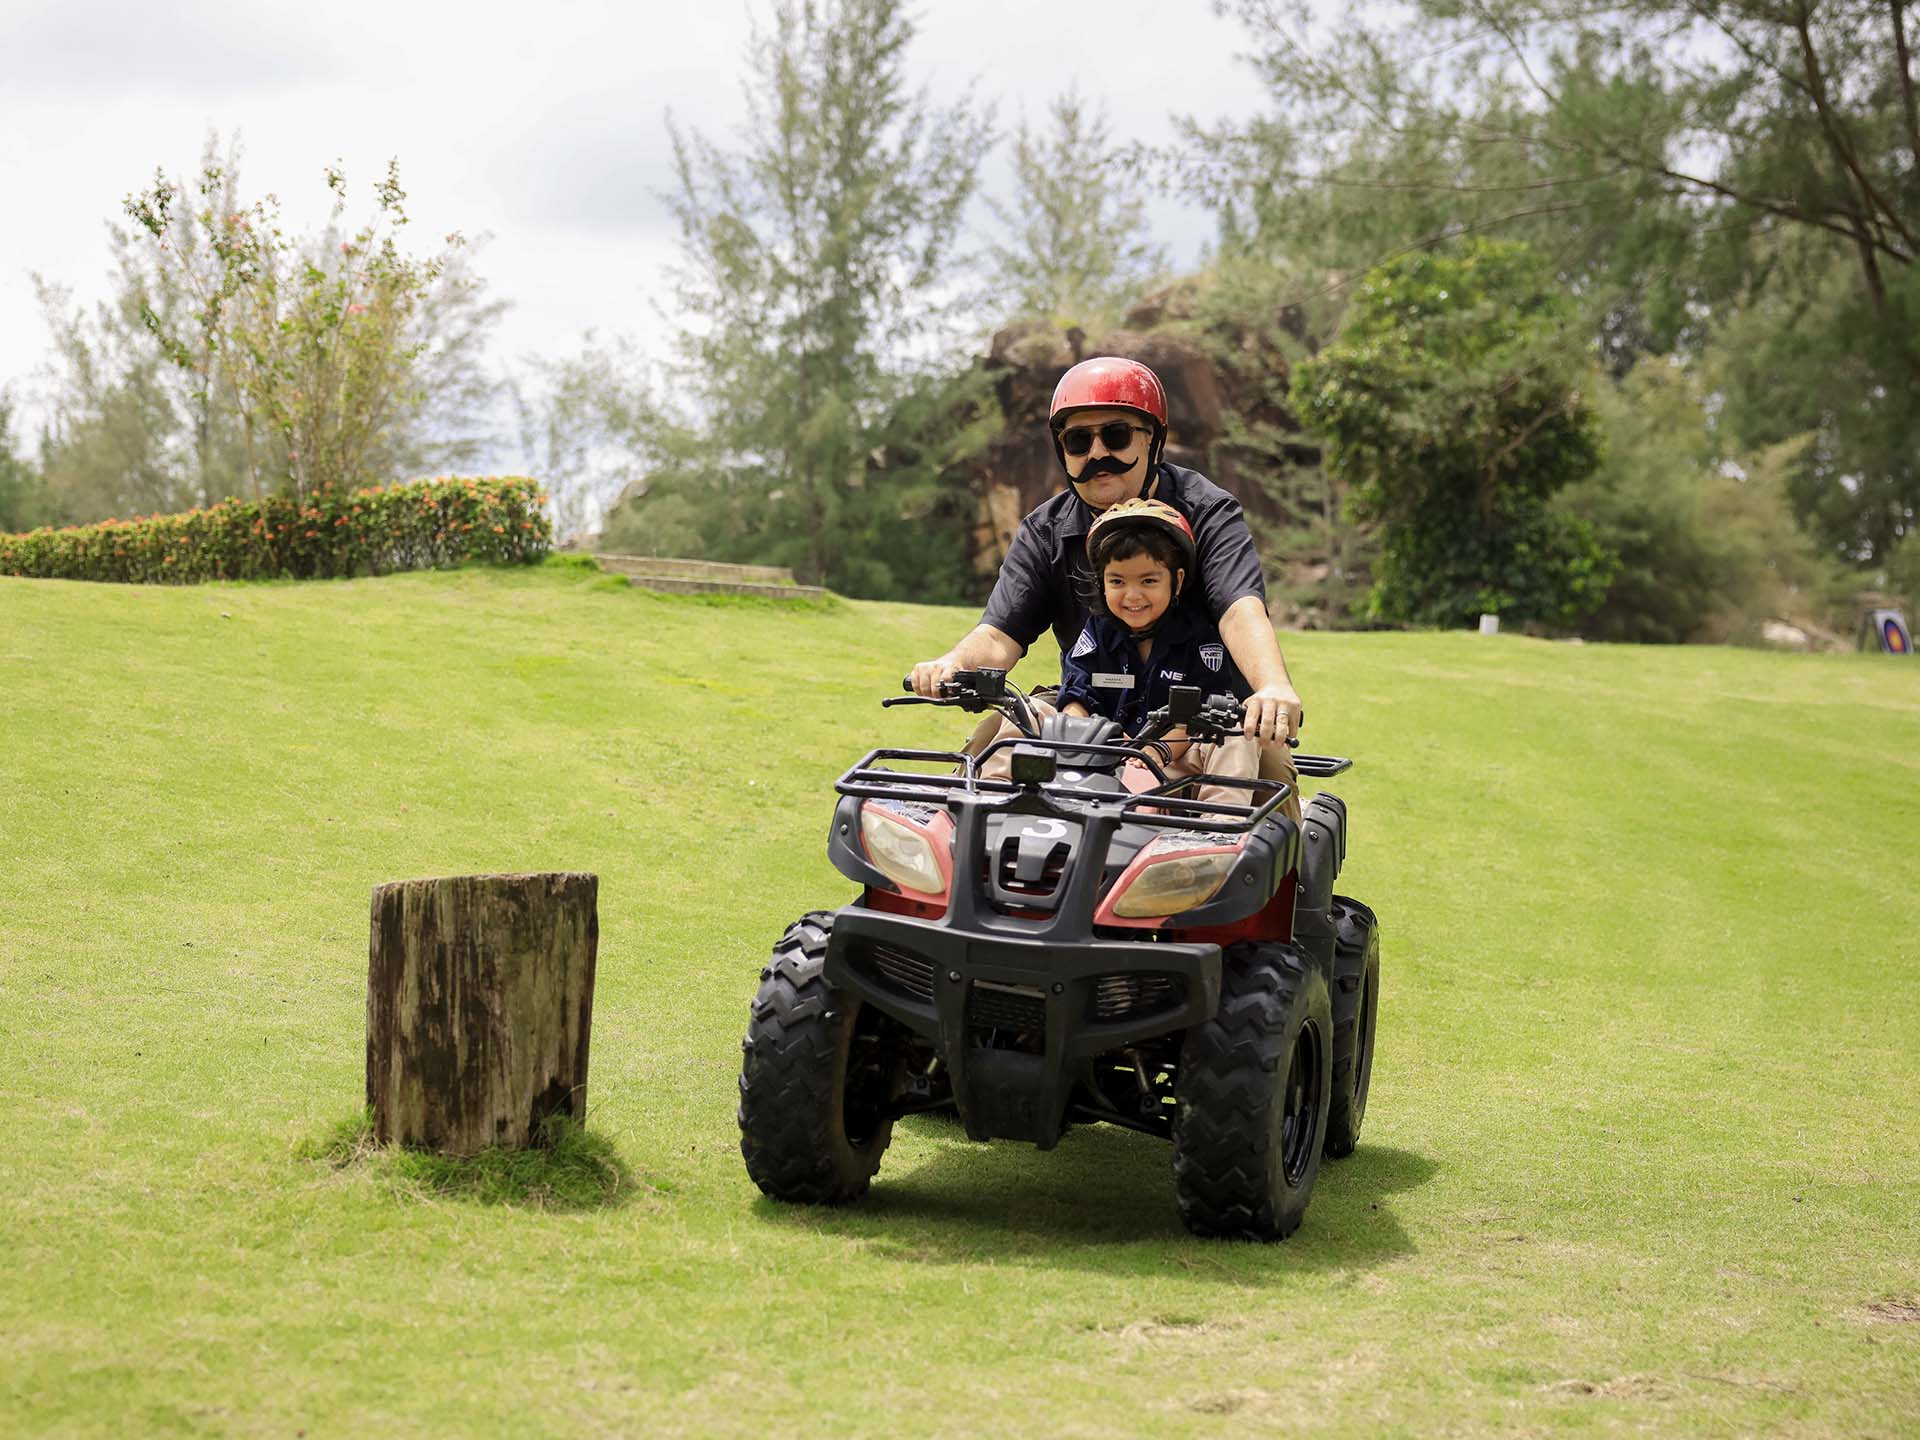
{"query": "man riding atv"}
(1063, 924)
(1109, 422)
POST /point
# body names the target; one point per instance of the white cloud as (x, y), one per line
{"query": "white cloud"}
(541, 125)
(90, 49)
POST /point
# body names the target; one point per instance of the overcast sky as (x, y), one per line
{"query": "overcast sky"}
(539, 124)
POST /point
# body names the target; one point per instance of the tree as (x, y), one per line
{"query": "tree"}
(330, 347)
(1703, 535)
(24, 504)
(1451, 406)
(1076, 252)
(591, 424)
(112, 438)
(162, 287)
(813, 259)
(1678, 159)
(225, 345)
(130, 431)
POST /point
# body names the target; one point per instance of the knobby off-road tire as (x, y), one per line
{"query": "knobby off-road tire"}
(819, 1073)
(1356, 1010)
(1253, 1087)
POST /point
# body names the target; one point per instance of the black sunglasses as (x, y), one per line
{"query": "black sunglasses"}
(1117, 435)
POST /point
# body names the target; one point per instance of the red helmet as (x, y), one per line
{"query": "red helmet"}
(1107, 382)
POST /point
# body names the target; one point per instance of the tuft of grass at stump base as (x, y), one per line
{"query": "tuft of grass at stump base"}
(568, 1169)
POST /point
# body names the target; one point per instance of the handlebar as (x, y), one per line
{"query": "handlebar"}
(975, 691)
(1207, 718)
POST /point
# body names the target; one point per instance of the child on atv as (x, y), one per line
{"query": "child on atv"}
(1139, 642)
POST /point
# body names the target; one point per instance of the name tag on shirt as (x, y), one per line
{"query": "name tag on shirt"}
(1112, 682)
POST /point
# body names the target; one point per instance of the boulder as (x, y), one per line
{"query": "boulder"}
(1209, 379)
(1782, 636)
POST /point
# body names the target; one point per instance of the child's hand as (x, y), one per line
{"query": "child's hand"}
(1174, 743)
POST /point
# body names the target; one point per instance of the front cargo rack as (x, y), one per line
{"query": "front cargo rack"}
(1162, 806)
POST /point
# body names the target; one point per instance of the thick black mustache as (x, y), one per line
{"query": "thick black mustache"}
(1107, 465)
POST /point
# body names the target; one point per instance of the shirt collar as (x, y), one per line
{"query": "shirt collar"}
(1181, 622)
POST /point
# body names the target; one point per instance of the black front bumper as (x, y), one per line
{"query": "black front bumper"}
(1066, 1003)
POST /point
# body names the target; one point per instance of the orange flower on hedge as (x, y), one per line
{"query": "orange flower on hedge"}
(499, 529)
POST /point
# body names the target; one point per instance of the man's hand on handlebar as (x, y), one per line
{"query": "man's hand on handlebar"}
(1273, 712)
(928, 675)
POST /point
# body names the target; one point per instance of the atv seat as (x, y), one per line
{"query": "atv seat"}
(1083, 730)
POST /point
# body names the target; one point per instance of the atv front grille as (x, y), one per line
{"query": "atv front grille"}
(1006, 1007)
(1045, 883)
(1135, 996)
(907, 972)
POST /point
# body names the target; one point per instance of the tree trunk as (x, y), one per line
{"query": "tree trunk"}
(479, 1007)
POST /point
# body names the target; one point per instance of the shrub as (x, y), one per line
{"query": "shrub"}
(1707, 545)
(1903, 573)
(1451, 405)
(331, 533)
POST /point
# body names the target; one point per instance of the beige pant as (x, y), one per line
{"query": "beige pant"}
(1235, 758)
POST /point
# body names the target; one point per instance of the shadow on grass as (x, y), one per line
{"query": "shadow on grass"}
(1103, 1201)
(568, 1170)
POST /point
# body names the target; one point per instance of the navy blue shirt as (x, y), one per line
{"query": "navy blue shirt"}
(1103, 670)
(1046, 575)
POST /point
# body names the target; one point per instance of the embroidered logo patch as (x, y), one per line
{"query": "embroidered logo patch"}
(1084, 645)
(1174, 675)
(1213, 656)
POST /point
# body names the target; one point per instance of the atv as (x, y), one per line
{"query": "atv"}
(1087, 941)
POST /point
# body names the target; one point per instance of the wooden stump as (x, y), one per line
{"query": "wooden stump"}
(479, 1007)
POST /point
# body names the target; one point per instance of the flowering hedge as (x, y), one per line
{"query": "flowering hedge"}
(365, 532)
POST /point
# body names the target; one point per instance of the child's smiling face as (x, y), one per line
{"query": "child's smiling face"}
(1138, 590)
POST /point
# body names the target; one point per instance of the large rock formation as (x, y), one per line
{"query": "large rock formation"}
(1211, 378)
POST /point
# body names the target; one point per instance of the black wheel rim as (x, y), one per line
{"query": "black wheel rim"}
(869, 1084)
(1301, 1107)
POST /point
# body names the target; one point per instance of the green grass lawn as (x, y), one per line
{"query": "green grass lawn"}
(1643, 1151)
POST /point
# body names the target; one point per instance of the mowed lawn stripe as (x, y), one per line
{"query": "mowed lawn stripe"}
(1643, 1149)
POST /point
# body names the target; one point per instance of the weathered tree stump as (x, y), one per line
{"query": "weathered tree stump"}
(479, 1007)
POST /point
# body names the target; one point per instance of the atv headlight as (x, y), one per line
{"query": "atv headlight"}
(1182, 879)
(900, 852)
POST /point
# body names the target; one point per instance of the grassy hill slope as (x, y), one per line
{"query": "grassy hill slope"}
(1644, 1142)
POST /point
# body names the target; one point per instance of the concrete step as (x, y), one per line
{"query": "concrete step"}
(663, 567)
(708, 577)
